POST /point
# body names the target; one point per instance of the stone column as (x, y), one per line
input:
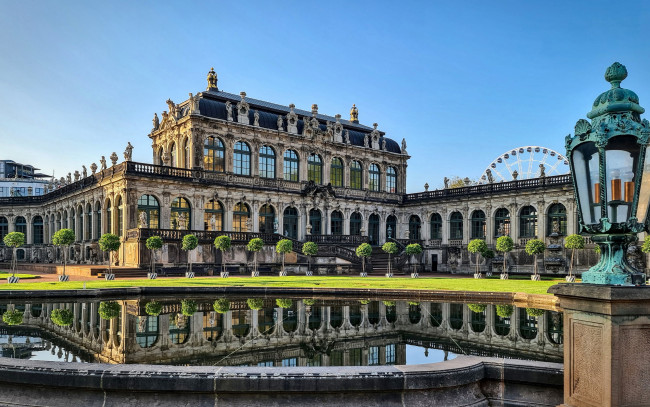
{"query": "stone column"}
(606, 334)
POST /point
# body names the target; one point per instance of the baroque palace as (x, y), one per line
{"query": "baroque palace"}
(224, 163)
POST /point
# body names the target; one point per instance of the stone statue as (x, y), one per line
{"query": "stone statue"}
(403, 146)
(61, 181)
(103, 163)
(128, 152)
(182, 222)
(426, 186)
(446, 182)
(77, 175)
(194, 104)
(69, 178)
(256, 121)
(556, 227)
(542, 171)
(84, 171)
(383, 144)
(354, 114)
(501, 229)
(229, 110)
(172, 108)
(166, 158)
(156, 122)
(249, 224)
(280, 122)
(490, 177)
(93, 168)
(347, 137)
(366, 141)
(114, 158)
(142, 221)
(515, 174)
(213, 223)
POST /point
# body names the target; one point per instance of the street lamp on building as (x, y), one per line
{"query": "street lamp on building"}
(611, 179)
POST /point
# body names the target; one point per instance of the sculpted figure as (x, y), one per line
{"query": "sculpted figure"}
(403, 146)
(156, 121)
(182, 222)
(114, 158)
(446, 182)
(128, 153)
(143, 220)
(229, 111)
(69, 178)
(102, 162)
(366, 141)
(76, 176)
(542, 171)
(280, 122)
(383, 144)
(256, 121)
(93, 168)
(490, 177)
(347, 137)
(213, 223)
(84, 171)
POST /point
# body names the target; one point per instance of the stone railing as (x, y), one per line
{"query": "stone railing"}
(346, 240)
(456, 242)
(435, 243)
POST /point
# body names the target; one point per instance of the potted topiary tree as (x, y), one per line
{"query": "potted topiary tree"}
(488, 255)
(190, 242)
(535, 312)
(14, 240)
(283, 247)
(221, 305)
(109, 243)
(412, 250)
(63, 238)
(365, 250)
(535, 247)
(309, 249)
(188, 307)
(504, 245)
(574, 242)
(390, 248)
(13, 317)
(284, 302)
(477, 246)
(109, 310)
(153, 243)
(255, 303)
(255, 245)
(223, 243)
(505, 310)
(153, 308)
(62, 317)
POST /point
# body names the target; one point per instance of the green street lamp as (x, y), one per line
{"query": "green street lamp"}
(611, 179)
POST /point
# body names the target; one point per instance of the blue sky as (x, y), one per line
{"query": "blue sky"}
(462, 81)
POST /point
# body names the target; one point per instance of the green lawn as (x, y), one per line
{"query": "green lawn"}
(5, 274)
(435, 283)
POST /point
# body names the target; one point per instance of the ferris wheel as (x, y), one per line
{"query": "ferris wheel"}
(524, 163)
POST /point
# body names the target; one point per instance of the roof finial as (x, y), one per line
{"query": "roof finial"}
(615, 74)
(354, 114)
(212, 80)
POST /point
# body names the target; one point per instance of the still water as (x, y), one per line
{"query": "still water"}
(235, 331)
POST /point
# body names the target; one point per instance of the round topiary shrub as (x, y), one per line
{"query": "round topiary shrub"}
(255, 303)
(284, 302)
(14, 317)
(504, 311)
(221, 305)
(534, 312)
(62, 317)
(477, 308)
(309, 301)
(109, 309)
(364, 302)
(189, 307)
(153, 308)
(389, 303)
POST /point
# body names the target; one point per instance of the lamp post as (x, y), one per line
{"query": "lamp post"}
(611, 179)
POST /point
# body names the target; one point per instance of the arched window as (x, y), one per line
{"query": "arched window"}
(291, 166)
(213, 155)
(148, 212)
(240, 216)
(181, 214)
(267, 219)
(37, 230)
(315, 169)
(391, 180)
(355, 224)
(109, 218)
(160, 156)
(374, 174)
(528, 222)
(242, 159)
(373, 229)
(213, 216)
(88, 222)
(98, 221)
(415, 225)
(80, 223)
(147, 333)
(556, 219)
(267, 162)
(435, 226)
(290, 222)
(315, 221)
(186, 153)
(179, 333)
(477, 225)
(336, 223)
(21, 225)
(336, 172)
(456, 226)
(391, 227)
(501, 222)
(120, 216)
(4, 229)
(174, 155)
(355, 175)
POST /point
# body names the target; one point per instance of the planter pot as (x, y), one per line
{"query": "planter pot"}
(488, 274)
(535, 277)
(255, 274)
(109, 277)
(503, 276)
(225, 274)
(283, 274)
(63, 279)
(570, 279)
(152, 276)
(363, 274)
(12, 280)
(415, 275)
(309, 273)
(478, 275)
(189, 274)
(389, 275)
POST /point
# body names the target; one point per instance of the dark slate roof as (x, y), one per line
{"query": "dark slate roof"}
(213, 104)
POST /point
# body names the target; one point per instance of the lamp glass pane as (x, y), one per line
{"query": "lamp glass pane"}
(585, 173)
(621, 158)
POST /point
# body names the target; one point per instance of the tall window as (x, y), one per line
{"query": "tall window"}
(186, 153)
(88, 222)
(435, 226)
(391, 227)
(501, 222)
(355, 175)
(4, 229)
(267, 162)
(415, 226)
(181, 214)
(355, 224)
(267, 219)
(80, 223)
(456, 226)
(528, 222)
(478, 225)
(160, 156)
(391, 180)
(337, 223)
(242, 159)
(120, 216)
(98, 221)
(373, 229)
(148, 212)
(213, 155)
(290, 222)
(556, 219)
(374, 178)
(240, 217)
(315, 221)
(109, 218)
(336, 172)
(290, 166)
(38, 230)
(213, 216)
(174, 155)
(21, 225)
(315, 169)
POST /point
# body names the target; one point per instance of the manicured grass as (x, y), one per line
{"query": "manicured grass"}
(5, 274)
(435, 283)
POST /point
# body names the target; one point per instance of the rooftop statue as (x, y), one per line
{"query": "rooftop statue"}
(354, 114)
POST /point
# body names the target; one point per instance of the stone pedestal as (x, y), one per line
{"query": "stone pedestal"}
(606, 341)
